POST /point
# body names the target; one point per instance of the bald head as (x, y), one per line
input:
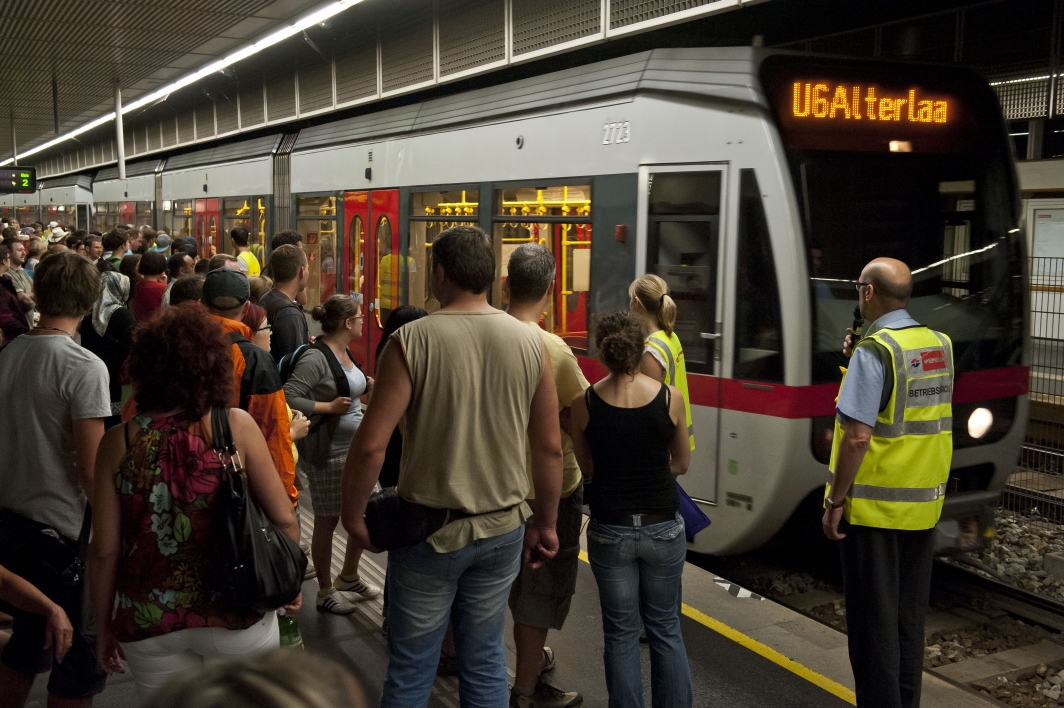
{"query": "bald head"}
(890, 278)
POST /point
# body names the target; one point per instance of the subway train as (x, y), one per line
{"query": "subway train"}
(757, 183)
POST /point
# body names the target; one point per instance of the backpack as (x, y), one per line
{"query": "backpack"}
(288, 364)
(260, 374)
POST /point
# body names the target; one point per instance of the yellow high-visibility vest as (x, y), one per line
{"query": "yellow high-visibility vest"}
(675, 370)
(901, 483)
(391, 286)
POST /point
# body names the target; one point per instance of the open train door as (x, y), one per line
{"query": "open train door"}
(681, 229)
(372, 237)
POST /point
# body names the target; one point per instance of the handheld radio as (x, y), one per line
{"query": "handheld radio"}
(858, 324)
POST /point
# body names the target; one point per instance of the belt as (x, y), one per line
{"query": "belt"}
(635, 520)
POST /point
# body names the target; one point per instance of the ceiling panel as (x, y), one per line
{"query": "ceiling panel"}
(87, 44)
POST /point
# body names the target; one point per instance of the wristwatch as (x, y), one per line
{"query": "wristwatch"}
(833, 505)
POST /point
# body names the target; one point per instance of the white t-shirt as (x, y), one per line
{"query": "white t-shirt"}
(47, 383)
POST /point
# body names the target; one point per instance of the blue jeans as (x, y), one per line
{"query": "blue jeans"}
(638, 571)
(469, 586)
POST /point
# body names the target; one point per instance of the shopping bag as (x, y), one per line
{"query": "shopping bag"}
(694, 520)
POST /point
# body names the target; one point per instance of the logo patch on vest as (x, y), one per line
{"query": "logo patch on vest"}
(926, 361)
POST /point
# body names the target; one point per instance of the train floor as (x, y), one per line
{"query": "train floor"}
(743, 651)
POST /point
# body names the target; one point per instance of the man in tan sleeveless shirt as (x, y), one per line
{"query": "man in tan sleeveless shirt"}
(467, 384)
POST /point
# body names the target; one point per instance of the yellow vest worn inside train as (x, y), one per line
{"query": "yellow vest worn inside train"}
(901, 483)
(675, 370)
(392, 285)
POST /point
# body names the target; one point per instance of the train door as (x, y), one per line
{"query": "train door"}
(207, 224)
(682, 215)
(127, 212)
(373, 265)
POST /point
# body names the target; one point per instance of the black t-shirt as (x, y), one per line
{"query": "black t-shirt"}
(288, 323)
(112, 348)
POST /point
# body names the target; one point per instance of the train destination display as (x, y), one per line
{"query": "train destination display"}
(818, 100)
(19, 180)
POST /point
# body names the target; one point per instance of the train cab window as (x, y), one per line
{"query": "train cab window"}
(182, 219)
(316, 221)
(683, 233)
(559, 218)
(431, 213)
(758, 326)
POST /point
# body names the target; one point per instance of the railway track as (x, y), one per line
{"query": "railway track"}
(952, 577)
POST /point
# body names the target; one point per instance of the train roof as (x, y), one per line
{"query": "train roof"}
(728, 73)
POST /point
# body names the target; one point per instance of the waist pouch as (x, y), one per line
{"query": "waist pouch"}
(43, 556)
(394, 522)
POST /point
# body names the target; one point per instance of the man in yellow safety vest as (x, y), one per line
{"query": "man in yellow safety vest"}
(890, 460)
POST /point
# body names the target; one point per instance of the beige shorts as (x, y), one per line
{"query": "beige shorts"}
(541, 597)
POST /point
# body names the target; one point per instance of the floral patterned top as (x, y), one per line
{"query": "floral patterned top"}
(168, 576)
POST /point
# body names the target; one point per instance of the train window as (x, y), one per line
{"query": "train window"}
(565, 229)
(143, 215)
(683, 230)
(430, 214)
(758, 326)
(319, 242)
(236, 212)
(182, 219)
(356, 237)
(393, 271)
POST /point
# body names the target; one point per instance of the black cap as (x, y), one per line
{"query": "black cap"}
(226, 289)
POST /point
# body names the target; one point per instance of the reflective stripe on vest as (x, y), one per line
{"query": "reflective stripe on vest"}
(675, 371)
(902, 479)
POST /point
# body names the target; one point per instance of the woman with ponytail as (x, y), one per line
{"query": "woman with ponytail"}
(630, 440)
(663, 354)
(325, 385)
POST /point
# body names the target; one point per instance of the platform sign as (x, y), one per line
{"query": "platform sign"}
(18, 180)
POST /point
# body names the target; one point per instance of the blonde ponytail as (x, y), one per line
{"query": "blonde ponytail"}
(652, 293)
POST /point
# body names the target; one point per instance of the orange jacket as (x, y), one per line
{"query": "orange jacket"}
(265, 402)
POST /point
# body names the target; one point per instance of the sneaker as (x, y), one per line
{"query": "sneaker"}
(359, 589)
(335, 602)
(547, 662)
(546, 696)
(310, 572)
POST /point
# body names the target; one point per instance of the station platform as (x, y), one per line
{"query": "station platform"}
(745, 652)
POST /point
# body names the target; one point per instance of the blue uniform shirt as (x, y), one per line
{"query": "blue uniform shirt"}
(861, 391)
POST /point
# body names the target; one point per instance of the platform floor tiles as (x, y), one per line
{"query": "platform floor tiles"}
(744, 652)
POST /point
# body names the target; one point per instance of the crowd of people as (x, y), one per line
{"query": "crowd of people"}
(119, 349)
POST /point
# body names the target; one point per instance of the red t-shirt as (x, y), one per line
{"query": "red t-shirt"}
(147, 297)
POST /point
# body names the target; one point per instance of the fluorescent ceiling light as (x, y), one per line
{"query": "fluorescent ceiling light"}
(278, 35)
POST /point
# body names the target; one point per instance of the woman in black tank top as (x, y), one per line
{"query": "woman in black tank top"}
(630, 438)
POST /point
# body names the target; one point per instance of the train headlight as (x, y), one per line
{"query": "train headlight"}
(979, 422)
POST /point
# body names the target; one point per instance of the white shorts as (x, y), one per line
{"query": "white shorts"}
(154, 661)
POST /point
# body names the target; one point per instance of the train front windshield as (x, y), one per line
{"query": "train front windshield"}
(913, 167)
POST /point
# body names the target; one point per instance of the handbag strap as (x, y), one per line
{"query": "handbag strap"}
(222, 440)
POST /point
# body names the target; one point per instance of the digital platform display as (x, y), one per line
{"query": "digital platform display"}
(18, 180)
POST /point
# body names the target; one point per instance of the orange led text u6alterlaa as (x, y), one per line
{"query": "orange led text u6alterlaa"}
(821, 101)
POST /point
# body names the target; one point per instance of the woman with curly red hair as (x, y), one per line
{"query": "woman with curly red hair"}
(156, 532)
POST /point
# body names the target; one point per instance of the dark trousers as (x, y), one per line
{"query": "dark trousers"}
(888, 578)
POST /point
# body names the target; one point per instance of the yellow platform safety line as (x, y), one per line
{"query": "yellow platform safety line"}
(833, 687)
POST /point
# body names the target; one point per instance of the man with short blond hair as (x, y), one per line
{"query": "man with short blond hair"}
(56, 397)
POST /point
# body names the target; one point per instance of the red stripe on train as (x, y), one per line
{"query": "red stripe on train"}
(782, 401)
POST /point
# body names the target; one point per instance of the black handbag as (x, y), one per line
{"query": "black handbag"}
(262, 567)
